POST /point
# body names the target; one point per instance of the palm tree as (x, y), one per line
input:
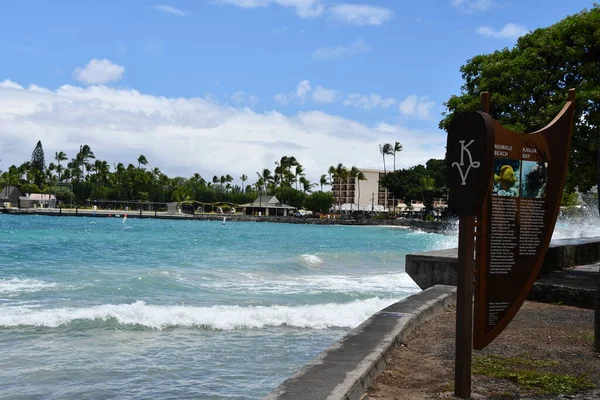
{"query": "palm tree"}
(141, 161)
(299, 171)
(352, 174)
(59, 156)
(323, 181)
(385, 149)
(331, 172)
(360, 177)
(397, 148)
(306, 184)
(266, 177)
(243, 178)
(85, 153)
(341, 173)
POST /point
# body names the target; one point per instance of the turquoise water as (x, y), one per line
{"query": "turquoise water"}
(157, 309)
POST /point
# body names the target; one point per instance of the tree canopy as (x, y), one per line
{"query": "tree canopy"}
(421, 182)
(529, 83)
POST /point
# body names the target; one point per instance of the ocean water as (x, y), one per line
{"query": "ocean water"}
(157, 309)
(104, 308)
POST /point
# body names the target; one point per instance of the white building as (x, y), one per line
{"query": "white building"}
(365, 195)
(372, 196)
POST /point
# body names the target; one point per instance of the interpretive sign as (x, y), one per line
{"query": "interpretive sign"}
(469, 153)
(516, 225)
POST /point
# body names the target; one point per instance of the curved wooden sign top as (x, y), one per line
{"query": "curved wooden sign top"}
(522, 205)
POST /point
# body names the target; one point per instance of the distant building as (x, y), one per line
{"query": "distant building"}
(268, 205)
(373, 196)
(34, 200)
(10, 194)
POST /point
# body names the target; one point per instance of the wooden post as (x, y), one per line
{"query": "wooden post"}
(597, 317)
(597, 312)
(464, 292)
(464, 308)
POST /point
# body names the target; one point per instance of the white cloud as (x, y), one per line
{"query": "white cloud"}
(360, 14)
(414, 106)
(324, 95)
(302, 90)
(508, 31)
(182, 136)
(472, 5)
(171, 10)
(368, 102)
(341, 51)
(240, 99)
(303, 8)
(98, 72)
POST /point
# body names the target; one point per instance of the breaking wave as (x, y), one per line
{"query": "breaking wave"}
(319, 316)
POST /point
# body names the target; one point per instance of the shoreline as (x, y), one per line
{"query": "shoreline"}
(426, 226)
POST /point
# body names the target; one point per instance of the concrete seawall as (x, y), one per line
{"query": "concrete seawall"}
(568, 274)
(439, 267)
(346, 369)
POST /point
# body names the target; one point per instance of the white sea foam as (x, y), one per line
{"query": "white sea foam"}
(347, 284)
(586, 225)
(16, 285)
(319, 316)
(312, 260)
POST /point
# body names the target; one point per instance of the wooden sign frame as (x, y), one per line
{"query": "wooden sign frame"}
(549, 148)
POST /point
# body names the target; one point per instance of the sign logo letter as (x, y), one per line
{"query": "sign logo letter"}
(465, 149)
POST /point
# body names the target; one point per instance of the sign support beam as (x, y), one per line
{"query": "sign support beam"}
(464, 298)
(464, 308)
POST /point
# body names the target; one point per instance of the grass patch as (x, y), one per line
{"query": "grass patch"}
(588, 337)
(530, 374)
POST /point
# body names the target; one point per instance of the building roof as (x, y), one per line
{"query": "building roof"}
(267, 202)
(8, 191)
(41, 197)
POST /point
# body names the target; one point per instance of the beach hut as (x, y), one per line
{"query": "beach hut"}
(10, 194)
(267, 205)
(43, 200)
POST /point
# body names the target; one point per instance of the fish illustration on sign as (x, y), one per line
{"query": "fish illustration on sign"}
(506, 178)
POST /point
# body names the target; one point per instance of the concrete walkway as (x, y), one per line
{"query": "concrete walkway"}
(345, 370)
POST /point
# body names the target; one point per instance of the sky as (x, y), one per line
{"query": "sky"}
(230, 86)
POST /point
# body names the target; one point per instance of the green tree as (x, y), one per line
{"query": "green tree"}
(319, 202)
(528, 86)
(142, 160)
(30, 188)
(385, 149)
(341, 173)
(59, 156)
(38, 164)
(243, 178)
(396, 148)
(323, 181)
(359, 177)
(37, 157)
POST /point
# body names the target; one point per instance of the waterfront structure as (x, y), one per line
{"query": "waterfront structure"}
(35, 200)
(268, 205)
(10, 194)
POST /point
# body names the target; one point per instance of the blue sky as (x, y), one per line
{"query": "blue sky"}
(229, 86)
